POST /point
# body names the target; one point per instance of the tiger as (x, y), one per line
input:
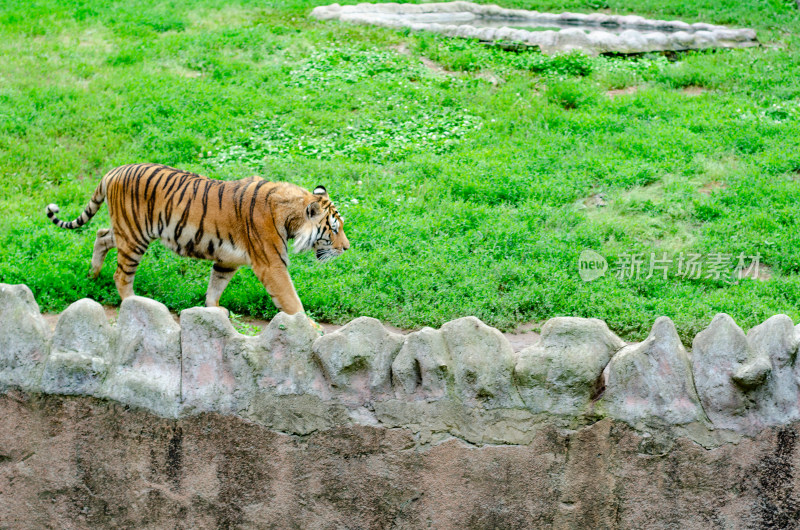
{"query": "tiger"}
(231, 223)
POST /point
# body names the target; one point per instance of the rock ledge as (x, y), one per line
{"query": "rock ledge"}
(463, 380)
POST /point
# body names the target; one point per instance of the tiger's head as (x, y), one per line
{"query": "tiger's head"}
(324, 228)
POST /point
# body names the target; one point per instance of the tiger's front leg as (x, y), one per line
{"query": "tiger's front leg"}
(220, 276)
(279, 285)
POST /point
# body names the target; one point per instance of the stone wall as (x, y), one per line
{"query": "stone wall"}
(593, 33)
(580, 426)
(463, 380)
(77, 462)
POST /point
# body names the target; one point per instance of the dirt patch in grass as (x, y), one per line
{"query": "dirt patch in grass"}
(210, 19)
(762, 273)
(709, 188)
(427, 63)
(694, 90)
(187, 72)
(433, 66)
(598, 200)
(490, 78)
(626, 91)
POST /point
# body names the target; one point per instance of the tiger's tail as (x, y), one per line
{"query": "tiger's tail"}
(94, 205)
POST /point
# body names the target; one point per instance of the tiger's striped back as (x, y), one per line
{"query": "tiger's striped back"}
(193, 215)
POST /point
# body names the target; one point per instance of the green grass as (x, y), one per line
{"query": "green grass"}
(462, 186)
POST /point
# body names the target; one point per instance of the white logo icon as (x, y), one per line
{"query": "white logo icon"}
(591, 265)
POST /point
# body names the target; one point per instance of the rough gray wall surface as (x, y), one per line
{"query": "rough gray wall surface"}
(446, 428)
(77, 462)
(470, 20)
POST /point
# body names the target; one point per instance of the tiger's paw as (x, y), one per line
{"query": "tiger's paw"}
(319, 329)
(224, 309)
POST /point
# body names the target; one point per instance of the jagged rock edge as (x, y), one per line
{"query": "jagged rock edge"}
(471, 420)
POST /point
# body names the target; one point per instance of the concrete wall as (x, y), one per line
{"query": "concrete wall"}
(78, 462)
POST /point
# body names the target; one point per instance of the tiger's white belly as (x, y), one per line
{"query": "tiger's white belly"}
(227, 253)
(223, 252)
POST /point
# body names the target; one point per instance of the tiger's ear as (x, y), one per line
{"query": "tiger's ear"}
(313, 210)
(320, 190)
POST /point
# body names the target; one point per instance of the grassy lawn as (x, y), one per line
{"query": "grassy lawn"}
(470, 182)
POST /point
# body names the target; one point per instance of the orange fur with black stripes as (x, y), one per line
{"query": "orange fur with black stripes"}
(232, 223)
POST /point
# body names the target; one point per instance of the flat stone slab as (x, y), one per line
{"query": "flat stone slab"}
(592, 33)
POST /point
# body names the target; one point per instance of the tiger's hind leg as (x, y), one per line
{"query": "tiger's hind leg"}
(128, 258)
(102, 244)
(220, 276)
